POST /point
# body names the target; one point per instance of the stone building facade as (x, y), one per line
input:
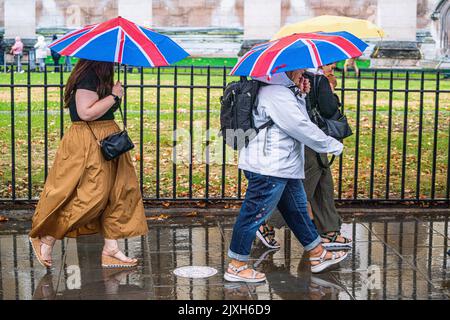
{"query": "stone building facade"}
(218, 27)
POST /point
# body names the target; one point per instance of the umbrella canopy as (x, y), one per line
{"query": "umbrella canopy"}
(358, 27)
(299, 51)
(120, 40)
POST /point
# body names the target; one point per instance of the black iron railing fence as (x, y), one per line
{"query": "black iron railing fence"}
(399, 151)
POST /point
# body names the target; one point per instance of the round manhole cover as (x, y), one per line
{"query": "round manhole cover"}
(195, 272)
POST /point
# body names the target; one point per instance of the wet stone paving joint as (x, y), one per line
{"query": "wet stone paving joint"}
(392, 258)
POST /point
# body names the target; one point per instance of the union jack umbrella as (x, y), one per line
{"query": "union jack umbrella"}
(122, 41)
(299, 51)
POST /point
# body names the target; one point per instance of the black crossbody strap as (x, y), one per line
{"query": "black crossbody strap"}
(123, 121)
(98, 141)
(316, 91)
(121, 115)
(321, 164)
(316, 82)
(265, 125)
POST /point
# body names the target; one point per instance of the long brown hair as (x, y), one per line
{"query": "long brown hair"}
(104, 72)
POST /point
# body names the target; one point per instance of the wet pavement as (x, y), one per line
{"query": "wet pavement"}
(392, 258)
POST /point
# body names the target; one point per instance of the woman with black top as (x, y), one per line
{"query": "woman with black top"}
(318, 183)
(55, 55)
(85, 194)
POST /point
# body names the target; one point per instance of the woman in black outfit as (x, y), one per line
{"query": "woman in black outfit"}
(55, 55)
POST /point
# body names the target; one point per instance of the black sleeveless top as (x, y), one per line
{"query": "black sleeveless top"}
(89, 82)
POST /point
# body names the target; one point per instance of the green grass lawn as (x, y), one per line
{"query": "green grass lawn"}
(199, 98)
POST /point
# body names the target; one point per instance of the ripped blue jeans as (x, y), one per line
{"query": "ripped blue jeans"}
(264, 194)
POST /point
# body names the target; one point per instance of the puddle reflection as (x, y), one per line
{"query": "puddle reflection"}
(391, 259)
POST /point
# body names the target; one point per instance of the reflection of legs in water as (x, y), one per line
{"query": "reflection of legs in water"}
(240, 290)
(88, 248)
(113, 278)
(44, 289)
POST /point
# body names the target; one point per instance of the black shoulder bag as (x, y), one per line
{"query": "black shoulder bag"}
(337, 126)
(115, 144)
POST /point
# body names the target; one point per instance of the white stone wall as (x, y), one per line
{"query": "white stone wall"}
(226, 14)
(262, 19)
(138, 11)
(299, 11)
(20, 18)
(398, 19)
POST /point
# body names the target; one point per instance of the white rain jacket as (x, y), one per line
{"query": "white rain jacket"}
(278, 151)
(41, 48)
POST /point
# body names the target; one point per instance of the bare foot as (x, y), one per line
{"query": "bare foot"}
(47, 243)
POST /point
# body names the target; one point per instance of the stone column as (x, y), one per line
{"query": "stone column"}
(138, 11)
(300, 11)
(262, 19)
(20, 19)
(398, 19)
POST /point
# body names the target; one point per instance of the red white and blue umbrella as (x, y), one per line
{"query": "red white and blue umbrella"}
(299, 51)
(120, 40)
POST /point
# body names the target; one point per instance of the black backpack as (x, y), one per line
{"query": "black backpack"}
(237, 125)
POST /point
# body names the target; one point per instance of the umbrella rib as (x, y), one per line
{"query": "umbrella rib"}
(249, 53)
(323, 37)
(269, 70)
(133, 33)
(312, 54)
(342, 49)
(137, 44)
(120, 46)
(267, 51)
(85, 39)
(70, 35)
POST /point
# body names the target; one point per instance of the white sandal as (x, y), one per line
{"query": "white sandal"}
(323, 264)
(235, 277)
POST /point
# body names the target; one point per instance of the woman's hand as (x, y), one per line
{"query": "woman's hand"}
(118, 89)
(304, 85)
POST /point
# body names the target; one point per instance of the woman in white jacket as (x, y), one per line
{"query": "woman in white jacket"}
(273, 163)
(41, 52)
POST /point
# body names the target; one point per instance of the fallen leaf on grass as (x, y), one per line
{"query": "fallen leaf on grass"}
(3, 219)
(192, 214)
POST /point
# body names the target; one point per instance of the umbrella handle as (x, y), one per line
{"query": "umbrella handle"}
(118, 71)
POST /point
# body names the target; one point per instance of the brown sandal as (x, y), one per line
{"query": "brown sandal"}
(109, 261)
(37, 243)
